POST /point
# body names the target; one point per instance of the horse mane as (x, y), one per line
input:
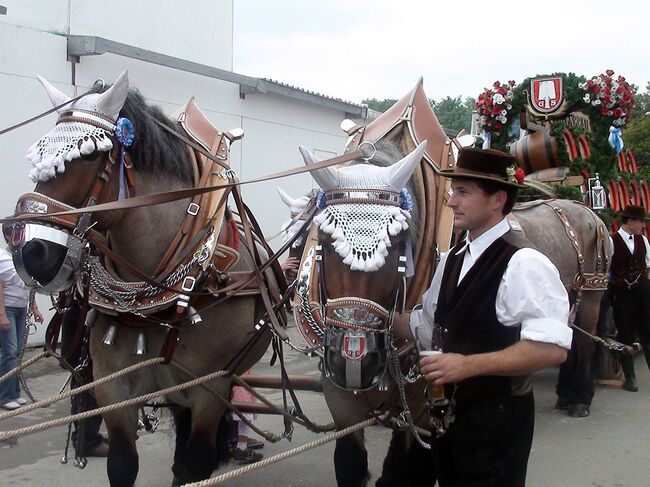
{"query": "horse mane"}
(154, 150)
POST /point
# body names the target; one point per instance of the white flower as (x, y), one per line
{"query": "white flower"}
(498, 99)
(509, 106)
(509, 96)
(586, 98)
(504, 112)
(595, 102)
(598, 79)
(603, 85)
(581, 85)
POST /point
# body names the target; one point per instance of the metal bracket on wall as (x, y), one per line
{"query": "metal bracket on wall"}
(79, 46)
(3, 10)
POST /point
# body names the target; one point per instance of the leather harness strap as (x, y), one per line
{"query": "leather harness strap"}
(169, 196)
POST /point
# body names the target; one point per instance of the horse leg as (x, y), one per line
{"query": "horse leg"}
(575, 387)
(406, 463)
(351, 461)
(195, 457)
(122, 463)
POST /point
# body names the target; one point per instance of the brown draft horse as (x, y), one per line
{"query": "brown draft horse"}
(359, 276)
(225, 339)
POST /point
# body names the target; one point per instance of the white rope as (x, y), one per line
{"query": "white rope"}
(283, 456)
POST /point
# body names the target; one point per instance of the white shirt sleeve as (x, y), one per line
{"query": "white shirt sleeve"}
(423, 317)
(532, 294)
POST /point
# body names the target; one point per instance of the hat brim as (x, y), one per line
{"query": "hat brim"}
(501, 182)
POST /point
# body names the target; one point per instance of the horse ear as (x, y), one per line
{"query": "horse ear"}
(400, 172)
(326, 177)
(286, 199)
(57, 97)
(112, 100)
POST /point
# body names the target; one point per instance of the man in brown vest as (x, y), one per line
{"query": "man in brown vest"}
(630, 288)
(500, 312)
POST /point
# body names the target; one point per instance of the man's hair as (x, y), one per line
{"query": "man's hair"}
(626, 219)
(491, 188)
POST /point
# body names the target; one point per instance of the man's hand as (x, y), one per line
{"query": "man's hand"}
(445, 368)
(38, 317)
(4, 322)
(289, 264)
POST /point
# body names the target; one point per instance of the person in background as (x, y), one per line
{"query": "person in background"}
(630, 288)
(14, 299)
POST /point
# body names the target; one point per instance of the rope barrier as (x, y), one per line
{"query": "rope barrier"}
(78, 390)
(20, 367)
(283, 456)
(6, 435)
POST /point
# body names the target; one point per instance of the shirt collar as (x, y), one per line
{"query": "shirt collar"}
(624, 234)
(487, 238)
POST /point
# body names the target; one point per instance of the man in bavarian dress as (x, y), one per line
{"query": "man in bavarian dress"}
(499, 312)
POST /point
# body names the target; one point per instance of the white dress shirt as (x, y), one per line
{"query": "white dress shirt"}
(629, 241)
(530, 293)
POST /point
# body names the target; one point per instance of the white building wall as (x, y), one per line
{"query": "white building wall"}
(32, 41)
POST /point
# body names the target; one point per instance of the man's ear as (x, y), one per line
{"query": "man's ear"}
(500, 198)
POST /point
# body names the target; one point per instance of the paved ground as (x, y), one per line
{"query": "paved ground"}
(607, 449)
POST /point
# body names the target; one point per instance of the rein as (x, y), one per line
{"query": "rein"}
(169, 196)
(97, 87)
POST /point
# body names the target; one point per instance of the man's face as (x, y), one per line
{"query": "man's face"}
(635, 226)
(473, 208)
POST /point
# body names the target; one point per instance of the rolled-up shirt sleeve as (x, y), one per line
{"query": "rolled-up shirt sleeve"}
(532, 294)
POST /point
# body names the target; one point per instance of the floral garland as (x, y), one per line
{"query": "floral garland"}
(611, 97)
(494, 106)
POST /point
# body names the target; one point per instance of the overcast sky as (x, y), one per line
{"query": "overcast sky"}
(356, 49)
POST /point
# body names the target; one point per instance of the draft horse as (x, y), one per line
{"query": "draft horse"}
(155, 275)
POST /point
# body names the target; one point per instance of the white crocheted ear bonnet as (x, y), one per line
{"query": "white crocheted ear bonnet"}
(83, 127)
(292, 226)
(361, 232)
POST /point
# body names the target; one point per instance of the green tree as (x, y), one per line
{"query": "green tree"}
(379, 105)
(637, 138)
(642, 103)
(454, 113)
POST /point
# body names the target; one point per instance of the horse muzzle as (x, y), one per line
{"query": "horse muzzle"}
(46, 258)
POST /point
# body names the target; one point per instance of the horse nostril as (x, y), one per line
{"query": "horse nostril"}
(36, 252)
(43, 260)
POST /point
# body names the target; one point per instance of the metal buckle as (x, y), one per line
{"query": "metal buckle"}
(188, 283)
(193, 209)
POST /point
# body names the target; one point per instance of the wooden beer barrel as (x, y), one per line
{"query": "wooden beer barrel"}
(536, 151)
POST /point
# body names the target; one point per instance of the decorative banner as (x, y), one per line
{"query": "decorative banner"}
(615, 139)
(624, 194)
(546, 94)
(636, 194)
(613, 195)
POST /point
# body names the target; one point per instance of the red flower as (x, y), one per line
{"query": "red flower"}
(596, 89)
(603, 111)
(609, 72)
(618, 112)
(511, 82)
(496, 84)
(621, 79)
(498, 125)
(519, 175)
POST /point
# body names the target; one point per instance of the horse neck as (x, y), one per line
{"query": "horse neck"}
(144, 234)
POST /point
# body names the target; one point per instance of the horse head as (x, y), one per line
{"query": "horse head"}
(101, 142)
(364, 246)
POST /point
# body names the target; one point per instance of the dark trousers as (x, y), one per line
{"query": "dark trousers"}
(488, 444)
(575, 382)
(632, 312)
(85, 400)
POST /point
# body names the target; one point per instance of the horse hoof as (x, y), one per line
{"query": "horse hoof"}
(562, 403)
(630, 386)
(579, 410)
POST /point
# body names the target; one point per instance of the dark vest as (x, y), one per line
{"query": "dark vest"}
(628, 269)
(467, 314)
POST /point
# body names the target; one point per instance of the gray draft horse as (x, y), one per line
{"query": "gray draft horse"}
(546, 224)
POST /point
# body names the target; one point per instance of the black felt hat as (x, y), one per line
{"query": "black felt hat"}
(634, 212)
(486, 164)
